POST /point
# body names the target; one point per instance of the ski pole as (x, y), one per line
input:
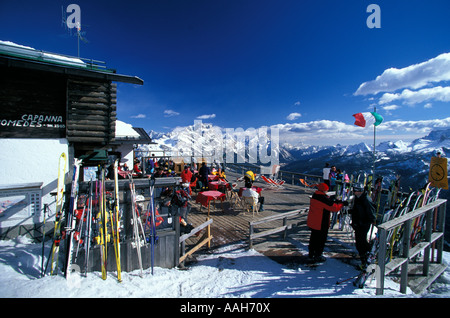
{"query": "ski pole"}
(43, 241)
(346, 280)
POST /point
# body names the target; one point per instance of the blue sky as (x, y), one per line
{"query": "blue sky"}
(303, 67)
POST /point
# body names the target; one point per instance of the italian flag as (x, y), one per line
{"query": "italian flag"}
(366, 119)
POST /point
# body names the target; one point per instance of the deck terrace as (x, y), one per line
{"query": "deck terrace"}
(231, 223)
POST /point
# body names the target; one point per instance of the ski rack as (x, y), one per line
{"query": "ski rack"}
(433, 212)
(167, 251)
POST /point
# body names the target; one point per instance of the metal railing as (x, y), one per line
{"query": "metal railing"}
(288, 176)
(15, 50)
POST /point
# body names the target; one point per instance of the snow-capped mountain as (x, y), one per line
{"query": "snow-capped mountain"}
(207, 140)
(410, 160)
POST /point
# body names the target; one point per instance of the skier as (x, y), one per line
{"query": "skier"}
(321, 205)
(363, 216)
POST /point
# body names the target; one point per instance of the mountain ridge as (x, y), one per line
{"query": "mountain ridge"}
(409, 159)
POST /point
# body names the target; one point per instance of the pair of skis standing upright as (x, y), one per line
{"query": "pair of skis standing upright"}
(79, 223)
(139, 237)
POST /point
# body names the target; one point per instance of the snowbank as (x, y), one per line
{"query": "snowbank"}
(231, 271)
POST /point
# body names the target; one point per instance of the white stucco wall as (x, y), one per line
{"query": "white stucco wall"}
(24, 161)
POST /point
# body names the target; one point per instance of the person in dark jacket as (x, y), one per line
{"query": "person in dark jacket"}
(321, 206)
(203, 174)
(363, 216)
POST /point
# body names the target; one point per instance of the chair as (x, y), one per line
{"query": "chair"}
(251, 203)
(303, 181)
(250, 200)
(273, 183)
(234, 196)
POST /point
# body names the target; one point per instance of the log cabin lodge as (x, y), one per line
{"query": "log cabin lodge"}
(52, 104)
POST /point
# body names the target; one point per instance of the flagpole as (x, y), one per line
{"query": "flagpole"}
(374, 134)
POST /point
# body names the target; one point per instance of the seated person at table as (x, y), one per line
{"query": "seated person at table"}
(136, 169)
(203, 175)
(249, 178)
(221, 174)
(249, 192)
(195, 183)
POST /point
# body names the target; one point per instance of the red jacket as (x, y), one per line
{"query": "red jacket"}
(186, 176)
(321, 205)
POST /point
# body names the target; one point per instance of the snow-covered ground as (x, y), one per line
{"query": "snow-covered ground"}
(231, 271)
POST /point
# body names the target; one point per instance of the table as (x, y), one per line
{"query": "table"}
(205, 198)
(213, 177)
(124, 174)
(216, 185)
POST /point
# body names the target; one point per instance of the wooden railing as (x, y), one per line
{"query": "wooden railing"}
(434, 214)
(206, 239)
(283, 228)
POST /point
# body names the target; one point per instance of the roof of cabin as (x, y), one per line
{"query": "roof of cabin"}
(15, 55)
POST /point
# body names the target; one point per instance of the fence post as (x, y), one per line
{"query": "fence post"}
(406, 242)
(381, 262)
(441, 227)
(428, 230)
(250, 241)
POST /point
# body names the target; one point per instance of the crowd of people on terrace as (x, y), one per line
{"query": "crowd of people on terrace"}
(196, 176)
(159, 167)
(332, 176)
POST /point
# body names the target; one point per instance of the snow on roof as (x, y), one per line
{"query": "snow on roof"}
(124, 130)
(11, 48)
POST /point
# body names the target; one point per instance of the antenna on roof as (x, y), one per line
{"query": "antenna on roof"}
(73, 21)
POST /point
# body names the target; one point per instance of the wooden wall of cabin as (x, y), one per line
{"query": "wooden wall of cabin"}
(91, 109)
(38, 104)
(32, 104)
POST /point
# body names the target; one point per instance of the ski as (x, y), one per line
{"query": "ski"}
(115, 221)
(80, 230)
(361, 279)
(58, 215)
(376, 195)
(71, 216)
(87, 244)
(152, 222)
(366, 269)
(137, 224)
(103, 224)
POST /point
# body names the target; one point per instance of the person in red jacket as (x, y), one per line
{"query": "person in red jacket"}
(321, 205)
(186, 175)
